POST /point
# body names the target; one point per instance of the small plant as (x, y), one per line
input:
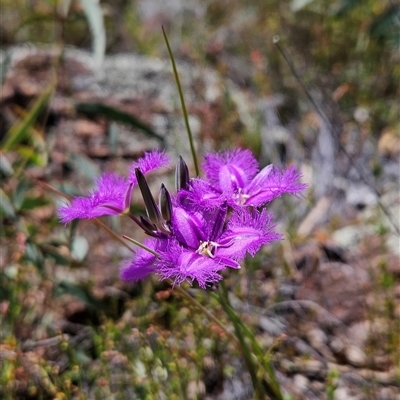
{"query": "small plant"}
(208, 225)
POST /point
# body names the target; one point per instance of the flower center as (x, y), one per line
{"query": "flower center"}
(207, 248)
(240, 197)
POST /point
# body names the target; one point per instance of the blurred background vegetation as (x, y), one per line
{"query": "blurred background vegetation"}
(349, 45)
(69, 334)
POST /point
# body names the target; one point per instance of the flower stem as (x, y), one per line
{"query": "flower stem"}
(246, 351)
(183, 105)
(270, 384)
(211, 316)
(143, 246)
(110, 232)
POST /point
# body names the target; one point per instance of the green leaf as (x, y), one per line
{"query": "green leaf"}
(84, 165)
(6, 168)
(68, 188)
(22, 129)
(31, 203)
(297, 5)
(20, 192)
(34, 155)
(55, 243)
(72, 233)
(112, 135)
(4, 67)
(79, 291)
(6, 207)
(113, 114)
(94, 16)
(387, 24)
(50, 251)
(79, 248)
(82, 358)
(346, 6)
(34, 255)
(35, 18)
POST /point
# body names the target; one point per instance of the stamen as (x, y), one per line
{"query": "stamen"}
(240, 197)
(207, 248)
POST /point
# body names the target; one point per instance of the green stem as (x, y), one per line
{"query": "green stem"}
(211, 316)
(183, 105)
(143, 246)
(181, 383)
(111, 232)
(271, 383)
(248, 356)
(264, 359)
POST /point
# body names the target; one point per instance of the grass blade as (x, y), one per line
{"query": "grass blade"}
(4, 67)
(21, 130)
(185, 114)
(112, 114)
(94, 16)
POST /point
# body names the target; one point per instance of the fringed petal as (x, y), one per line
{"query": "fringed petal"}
(245, 233)
(181, 265)
(107, 199)
(230, 170)
(150, 161)
(143, 263)
(270, 183)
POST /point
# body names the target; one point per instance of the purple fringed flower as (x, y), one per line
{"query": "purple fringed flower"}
(232, 176)
(224, 247)
(113, 193)
(202, 244)
(112, 197)
(208, 226)
(180, 264)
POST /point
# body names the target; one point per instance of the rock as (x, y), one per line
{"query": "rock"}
(393, 243)
(359, 332)
(339, 289)
(355, 356)
(312, 367)
(317, 337)
(389, 143)
(318, 340)
(348, 237)
(271, 325)
(396, 312)
(337, 346)
(316, 217)
(361, 196)
(195, 389)
(361, 114)
(341, 394)
(86, 128)
(396, 291)
(301, 382)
